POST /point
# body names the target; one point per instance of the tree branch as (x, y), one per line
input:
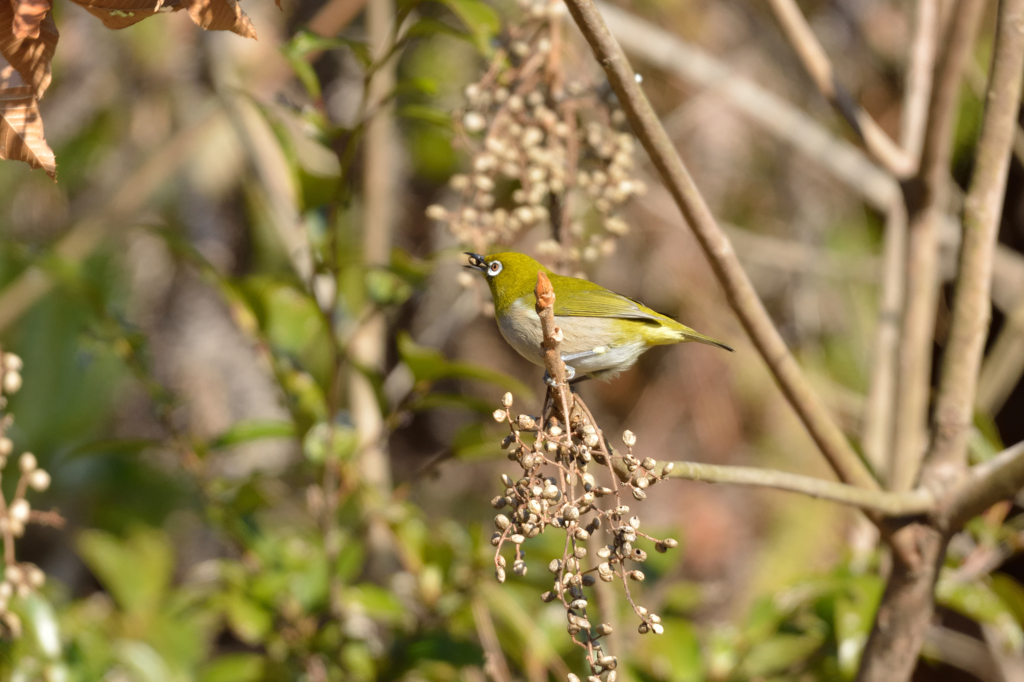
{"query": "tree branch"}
(972, 308)
(911, 503)
(878, 144)
(845, 161)
(927, 199)
(552, 338)
(738, 288)
(1000, 478)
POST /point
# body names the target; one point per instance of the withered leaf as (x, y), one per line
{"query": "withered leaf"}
(221, 15)
(124, 13)
(21, 126)
(29, 56)
(28, 15)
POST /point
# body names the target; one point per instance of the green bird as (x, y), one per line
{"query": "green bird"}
(604, 332)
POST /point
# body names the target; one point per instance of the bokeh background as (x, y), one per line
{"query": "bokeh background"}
(262, 386)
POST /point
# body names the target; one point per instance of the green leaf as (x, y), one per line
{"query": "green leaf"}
(249, 430)
(144, 661)
(479, 17)
(323, 441)
(248, 620)
(422, 112)
(428, 364)
(433, 401)
(980, 603)
(242, 667)
(385, 288)
(427, 27)
(135, 570)
(779, 653)
(42, 622)
(473, 441)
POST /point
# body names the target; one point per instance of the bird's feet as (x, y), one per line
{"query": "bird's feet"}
(569, 374)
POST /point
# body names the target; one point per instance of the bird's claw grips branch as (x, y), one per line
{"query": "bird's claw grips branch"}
(568, 440)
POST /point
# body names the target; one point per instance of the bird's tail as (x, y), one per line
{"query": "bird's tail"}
(688, 334)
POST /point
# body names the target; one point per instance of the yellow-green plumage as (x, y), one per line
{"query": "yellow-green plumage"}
(604, 332)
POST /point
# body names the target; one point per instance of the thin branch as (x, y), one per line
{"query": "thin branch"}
(911, 503)
(1004, 364)
(495, 662)
(927, 200)
(846, 162)
(1000, 478)
(919, 77)
(972, 308)
(738, 288)
(879, 145)
(879, 414)
(553, 364)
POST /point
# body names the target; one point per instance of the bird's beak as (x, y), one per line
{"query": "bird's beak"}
(476, 262)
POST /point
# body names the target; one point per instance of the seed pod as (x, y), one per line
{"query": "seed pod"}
(506, 400)
(637, 576)
(578, 604)
(643, 628)
(667, 469)
(671, 543)
(608, 662)
(555, 566)
(581, 534)
(548, 597)
(570, 512)
(499, 573)
(501, 522)
(639, 494)
(588, 580)
(604, 629)
(634, 521)
(629, 438)
(519, 568)
(526, 422)
(649, 463)
(555, 431)
(495, 539)
(517, 539)
(658, 628)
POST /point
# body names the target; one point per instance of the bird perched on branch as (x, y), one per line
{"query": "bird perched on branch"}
(603, 332)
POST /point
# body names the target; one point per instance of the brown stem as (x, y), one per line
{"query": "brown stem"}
(1000, 478)
(739, 290)
(983, 207)
(927, 200)
(557, 392)
(878, 144)
(911, 503)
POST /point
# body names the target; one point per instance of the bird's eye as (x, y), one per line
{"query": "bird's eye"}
(494, 268)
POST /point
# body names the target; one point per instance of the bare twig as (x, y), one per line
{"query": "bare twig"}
(1004, 364)
(879, 414)
(496, 664)
(907, 606)
(879, 145)
(557, 391)
(927, 199)
(845, 161)
(971, 305)
(911, 503)
(919, 77)
(1000, 478)
(718, 249)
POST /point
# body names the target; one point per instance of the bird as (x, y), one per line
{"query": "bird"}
(604, 332)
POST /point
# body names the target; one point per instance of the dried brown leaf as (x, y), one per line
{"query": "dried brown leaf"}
(124, 13)
(28, 15)
(29, 56)
(21, 126)
(221, 15)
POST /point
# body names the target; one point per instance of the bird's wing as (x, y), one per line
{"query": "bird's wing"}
(600, 302)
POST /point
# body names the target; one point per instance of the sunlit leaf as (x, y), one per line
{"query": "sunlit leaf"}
(386, 288)
(248, 620)
(253, 429)
(323, 442)
(479, 17)
(422, 112)
(42, 623)
(136, 570)
(240, 667)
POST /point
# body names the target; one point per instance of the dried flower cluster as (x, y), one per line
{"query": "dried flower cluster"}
(19, 578)
(547, 152)
(558, 489)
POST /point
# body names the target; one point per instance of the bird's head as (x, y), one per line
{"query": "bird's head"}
(510, 275)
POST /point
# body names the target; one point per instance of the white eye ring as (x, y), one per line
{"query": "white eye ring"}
(494, 268)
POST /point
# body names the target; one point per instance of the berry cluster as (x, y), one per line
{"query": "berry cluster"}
(19, 578)
(558, 489)
(546, 152)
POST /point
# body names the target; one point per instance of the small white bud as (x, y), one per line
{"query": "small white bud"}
(19, 511)
(39, 480)
(629, 438)
(506, 400)
(6, 446)
(12, 361)
(12, 382)
(499, 415)
(436, 212)
(28, 462)
(13, 575)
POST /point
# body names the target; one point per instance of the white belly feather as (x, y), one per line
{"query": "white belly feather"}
(521, 328)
